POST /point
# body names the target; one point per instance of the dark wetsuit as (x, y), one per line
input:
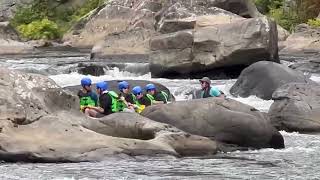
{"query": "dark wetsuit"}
(105, 102)
(145, 101)
(128, 97)
(161, 96)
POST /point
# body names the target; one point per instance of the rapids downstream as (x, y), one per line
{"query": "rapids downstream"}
(299, 160)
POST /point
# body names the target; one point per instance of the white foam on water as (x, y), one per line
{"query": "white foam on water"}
(74, 78)
(315, 77)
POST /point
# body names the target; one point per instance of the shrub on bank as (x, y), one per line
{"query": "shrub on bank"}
(39, 29)
(314, 23)
(288, 14)
(39, 20)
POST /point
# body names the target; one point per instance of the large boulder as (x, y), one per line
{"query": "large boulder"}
(226, 121)
(177, 17)
(132, 43)
(238, 43)
(296, 107)
(39, 122)
(304, 39)
(183, 8)
(113, 18)
(263, 78)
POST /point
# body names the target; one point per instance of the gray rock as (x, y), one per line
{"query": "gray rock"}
(179, 16)
(134, 42)
(40, 122)
(238, 43)
(296, 107)
(7, 31)
(8, 8)
(304, 39)
(226, 121)
(263, 78)
(115, 17)
(178, 40)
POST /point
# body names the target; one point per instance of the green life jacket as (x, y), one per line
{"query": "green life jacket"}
(165, 95)
(135, 100)
(114, 101)
(141, 107)
(151, 98)
(86, 101)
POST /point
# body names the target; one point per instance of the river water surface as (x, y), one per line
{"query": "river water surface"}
(299, 160)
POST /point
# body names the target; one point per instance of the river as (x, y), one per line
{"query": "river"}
(299, 160)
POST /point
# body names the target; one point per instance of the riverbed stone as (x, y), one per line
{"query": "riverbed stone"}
(224, 120)
(40, 122)
(296, 107)
(263, 78)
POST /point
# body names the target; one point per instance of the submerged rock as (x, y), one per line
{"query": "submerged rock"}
(296, 107)
(226, 121)
(263, 78)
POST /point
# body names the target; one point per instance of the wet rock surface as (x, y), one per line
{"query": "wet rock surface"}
(296, 107)
(263, 78)
(224, 120)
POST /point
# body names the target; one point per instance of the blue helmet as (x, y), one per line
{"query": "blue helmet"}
(85, 82)
(136, 90)
(102, 85)
(123, 85)
(150, 87)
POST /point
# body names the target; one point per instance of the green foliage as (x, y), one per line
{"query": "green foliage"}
(39, 29)
(287, 20)
(265, 6)
(314, 23)
(49, 21)
(86, 8)
(288, 14)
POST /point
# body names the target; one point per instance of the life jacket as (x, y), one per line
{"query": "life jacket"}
(86, 101)
(135, 100)
(165, 95)
(115, 105)
(151, 98)
(141, 107)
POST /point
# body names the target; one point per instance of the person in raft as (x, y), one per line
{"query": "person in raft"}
(209, 91)
(86, 95)
(126, 101)
(152, 96)
(108, 102)
(137, 97)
